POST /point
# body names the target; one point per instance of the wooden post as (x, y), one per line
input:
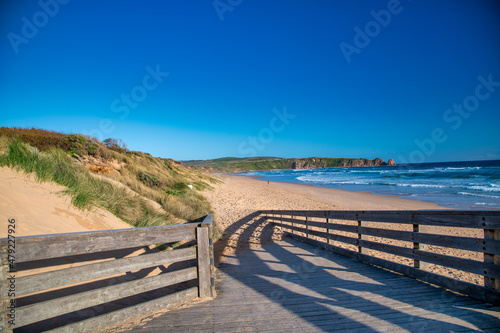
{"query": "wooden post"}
(360, 249)
(4, 288)
(327, 231)
(212, 260)
(204, 287)
(491, 283)
(418, 246)
(307, 229)
(293, 231)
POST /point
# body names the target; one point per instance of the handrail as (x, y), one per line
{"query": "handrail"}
(329, 230)
(108, 271)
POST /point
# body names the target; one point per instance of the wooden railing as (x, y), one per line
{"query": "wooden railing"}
(334, 229)
(113, 276)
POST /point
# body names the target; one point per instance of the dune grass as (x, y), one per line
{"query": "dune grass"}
(85, 190)
(85, 166)
(167, 184)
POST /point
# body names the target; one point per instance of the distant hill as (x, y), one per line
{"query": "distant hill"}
(234, 164)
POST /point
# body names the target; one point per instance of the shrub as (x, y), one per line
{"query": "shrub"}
(149, 180)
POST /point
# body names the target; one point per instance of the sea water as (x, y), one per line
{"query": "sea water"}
(458, 185)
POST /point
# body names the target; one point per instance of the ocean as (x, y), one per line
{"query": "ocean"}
(457, 185)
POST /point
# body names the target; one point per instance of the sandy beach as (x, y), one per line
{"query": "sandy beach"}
(42, 208)
(240, 195)
(235, 199)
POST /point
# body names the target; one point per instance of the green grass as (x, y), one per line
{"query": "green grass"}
(85, 190)
(71, 159)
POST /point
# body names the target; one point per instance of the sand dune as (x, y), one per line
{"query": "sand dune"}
(42, 208)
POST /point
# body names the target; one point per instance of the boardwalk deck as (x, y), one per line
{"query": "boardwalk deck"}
(290, 286)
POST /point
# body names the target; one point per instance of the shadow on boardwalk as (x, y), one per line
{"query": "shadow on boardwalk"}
(286, 285)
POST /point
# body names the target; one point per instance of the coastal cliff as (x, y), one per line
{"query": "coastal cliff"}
(316, 163)
(233, 165)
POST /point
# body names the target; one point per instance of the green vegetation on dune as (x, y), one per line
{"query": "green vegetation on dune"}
(109, 176)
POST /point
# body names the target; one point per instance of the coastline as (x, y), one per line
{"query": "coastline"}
(240, 195)
(373, 198)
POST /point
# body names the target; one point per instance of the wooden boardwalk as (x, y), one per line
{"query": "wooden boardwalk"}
(290, 286)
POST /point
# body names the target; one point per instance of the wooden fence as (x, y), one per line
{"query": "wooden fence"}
(323, 228)
(85, 281)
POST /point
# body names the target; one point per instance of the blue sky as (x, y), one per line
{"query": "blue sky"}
(206, 79)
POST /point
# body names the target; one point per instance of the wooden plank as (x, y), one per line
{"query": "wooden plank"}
(327, 230)
(309, 213)
(207, 221)
(203, 262)
(360, 241)
(44, 247)
(307, 228)
(468, 265)
(290, 220)
(333, 237)
(466, 288)
(5, 326)
(97, 323)
(491, 258)
(465, 219)
(59, 306)
(464, 243)
(416, 246)
(387, 248)
(211, 253)
(336, 226)
(49, 280)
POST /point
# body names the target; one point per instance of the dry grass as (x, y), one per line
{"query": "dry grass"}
(49, 155)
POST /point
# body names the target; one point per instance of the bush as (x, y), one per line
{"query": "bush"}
(149, 180)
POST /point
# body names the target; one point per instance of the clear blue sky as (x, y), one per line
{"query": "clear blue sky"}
(344, 78)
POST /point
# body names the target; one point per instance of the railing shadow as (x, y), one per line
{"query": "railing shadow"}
(313, 284)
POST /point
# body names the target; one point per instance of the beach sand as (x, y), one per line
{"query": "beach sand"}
(42, 208)
(235, 200)
(240, 195)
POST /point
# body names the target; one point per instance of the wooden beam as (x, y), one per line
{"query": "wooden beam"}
(96, 324)
(63, 277)
(203, 262)
(334, 237)
(360, 248)
(465, 219)
(5, 304)
(472, 290)
(491, 259)
(327, 230)
(59, 306)
(464, 243)
(46, 247)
